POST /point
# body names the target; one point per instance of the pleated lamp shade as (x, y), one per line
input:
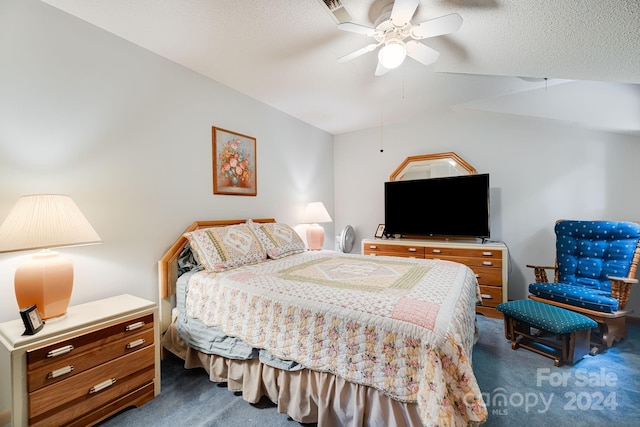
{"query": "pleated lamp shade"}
(45, 221)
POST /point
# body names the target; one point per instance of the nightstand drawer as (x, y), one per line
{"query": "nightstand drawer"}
(71, 364)
(53, 354)
(68, 399)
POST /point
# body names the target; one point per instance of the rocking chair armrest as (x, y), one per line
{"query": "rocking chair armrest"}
(540, 272)
(628, 280)
(546, 267)
(621, 288)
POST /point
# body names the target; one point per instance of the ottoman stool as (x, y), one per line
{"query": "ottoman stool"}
(572, 330)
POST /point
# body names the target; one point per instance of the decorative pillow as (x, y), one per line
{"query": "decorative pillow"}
(279, 239)
(224, 248)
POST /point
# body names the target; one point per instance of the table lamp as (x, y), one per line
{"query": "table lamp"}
(45, 221)
(314, 213)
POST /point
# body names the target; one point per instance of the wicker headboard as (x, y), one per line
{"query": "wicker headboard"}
(168, 264)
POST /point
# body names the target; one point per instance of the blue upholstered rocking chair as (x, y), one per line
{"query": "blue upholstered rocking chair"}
(596, 264)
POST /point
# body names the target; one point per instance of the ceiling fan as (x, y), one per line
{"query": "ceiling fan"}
(399, 37)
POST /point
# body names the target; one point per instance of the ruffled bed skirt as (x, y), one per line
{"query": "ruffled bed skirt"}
(306, 396)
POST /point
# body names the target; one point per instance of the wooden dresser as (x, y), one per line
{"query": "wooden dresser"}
(100, 358)
(489, 261)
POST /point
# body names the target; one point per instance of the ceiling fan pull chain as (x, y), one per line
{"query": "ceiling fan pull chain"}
(381, 121)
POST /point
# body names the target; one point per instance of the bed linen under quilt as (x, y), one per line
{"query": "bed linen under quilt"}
(400, 325)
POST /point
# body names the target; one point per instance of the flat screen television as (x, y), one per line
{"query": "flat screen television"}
(446, 207)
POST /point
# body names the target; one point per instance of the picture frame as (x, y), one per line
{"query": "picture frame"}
(33, 323)
(380, 231)
(234, 163)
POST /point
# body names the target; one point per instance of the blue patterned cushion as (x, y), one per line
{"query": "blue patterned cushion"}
(592, 299)
(547, 317)
(588, 252)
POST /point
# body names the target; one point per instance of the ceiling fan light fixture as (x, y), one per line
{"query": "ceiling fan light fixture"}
(392, 54)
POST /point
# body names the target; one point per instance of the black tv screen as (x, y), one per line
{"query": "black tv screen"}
(452, 206)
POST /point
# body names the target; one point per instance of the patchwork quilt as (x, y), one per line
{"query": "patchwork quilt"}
(404, 326)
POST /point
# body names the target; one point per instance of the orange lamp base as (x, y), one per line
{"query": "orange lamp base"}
(315, 237)
(45, 280)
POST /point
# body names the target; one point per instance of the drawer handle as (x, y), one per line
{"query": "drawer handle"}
(487, 263)
(486, 296)
(412, 249)
(60, 372)
(373, 247)
(104, 384)
(436, 251)
(136, 343)
(60, 351)
(477, 276)
(487, 253)
(134, 326)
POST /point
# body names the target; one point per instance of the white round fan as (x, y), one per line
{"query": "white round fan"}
(399, 37)
(346, 239)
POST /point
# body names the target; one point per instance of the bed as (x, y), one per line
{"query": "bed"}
(330, 338)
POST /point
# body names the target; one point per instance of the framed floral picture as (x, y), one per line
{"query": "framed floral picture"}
(234, 163)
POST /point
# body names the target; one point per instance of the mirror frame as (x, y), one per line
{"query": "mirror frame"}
(464, 167)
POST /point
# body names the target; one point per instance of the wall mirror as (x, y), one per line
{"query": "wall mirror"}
(432, 166)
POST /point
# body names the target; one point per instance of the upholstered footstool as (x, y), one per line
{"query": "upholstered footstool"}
(572, 331)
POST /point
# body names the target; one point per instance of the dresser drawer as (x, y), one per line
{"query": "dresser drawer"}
(464, 252)
(468, 257)
(56, 370)
(394, 250)
(92, 388)
(491, 295)
(470, 262)
(488, 275)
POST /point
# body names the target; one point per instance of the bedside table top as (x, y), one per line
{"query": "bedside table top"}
(77, 317)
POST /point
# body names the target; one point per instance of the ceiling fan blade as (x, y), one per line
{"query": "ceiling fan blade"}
(357, 28)
(422, 53)
(403, 11)
(380, 70)
(368, 48)
(436, 27)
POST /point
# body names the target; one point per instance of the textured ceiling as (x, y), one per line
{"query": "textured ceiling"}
(283, 52)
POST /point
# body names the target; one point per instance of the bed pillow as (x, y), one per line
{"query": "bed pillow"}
(224, 248)
(278, 239)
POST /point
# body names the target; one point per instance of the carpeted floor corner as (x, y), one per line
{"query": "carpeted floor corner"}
(522, 387)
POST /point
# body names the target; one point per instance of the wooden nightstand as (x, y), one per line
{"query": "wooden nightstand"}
(101, 358)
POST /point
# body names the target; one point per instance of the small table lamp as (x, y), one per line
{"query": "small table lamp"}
(39, 222)
(314, 213)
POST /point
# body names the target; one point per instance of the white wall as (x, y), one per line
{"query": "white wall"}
(128, 135)
(540, 170)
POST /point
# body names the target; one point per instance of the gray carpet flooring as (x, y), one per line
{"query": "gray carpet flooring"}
(519, 387)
